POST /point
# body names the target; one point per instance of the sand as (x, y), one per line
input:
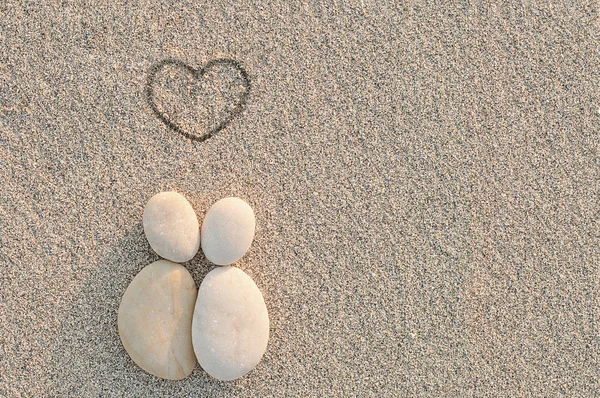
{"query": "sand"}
(425, 181)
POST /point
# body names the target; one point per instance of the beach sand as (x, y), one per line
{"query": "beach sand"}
(426, 184)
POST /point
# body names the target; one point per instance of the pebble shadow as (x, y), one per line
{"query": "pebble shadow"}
(88, 356)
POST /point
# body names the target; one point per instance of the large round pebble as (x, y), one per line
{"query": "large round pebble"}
(230, 329)
(155, 320)
(171, 226)
(227, 231)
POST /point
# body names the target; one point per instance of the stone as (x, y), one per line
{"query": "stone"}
(155, 320)
(230, 328)
(227, 231)
(171, 227)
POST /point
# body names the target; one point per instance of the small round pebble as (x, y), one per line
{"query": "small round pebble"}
(227, 231)
(155, 320)
(171, 227)
(230, 328)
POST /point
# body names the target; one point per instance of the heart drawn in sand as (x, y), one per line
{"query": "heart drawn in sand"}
(197, 102)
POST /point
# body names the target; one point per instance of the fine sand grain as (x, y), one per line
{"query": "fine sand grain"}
(426, 184)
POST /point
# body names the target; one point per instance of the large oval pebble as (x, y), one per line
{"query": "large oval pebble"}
(230, 329)
(171, 226)
(227, 231)
(155, 320)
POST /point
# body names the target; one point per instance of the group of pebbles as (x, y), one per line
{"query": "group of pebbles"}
(165, 323)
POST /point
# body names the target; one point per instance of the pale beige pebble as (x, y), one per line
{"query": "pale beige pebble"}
(230, 329)
(171, 227)
(227, 231)
(155, 320)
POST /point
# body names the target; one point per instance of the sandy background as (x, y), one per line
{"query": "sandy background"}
(426, 183)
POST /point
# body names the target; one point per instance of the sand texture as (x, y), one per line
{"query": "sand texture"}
(425, 180)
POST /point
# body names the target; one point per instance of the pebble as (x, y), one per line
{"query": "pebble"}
(155, 320)
(227, 231)
(230, 328)
(171, 226)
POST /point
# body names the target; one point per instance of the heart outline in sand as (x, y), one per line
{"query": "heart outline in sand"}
(198, 74)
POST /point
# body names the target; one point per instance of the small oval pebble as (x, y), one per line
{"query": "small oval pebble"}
(227, 231)
(230, 329)
(155, 320)
(171, 226)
